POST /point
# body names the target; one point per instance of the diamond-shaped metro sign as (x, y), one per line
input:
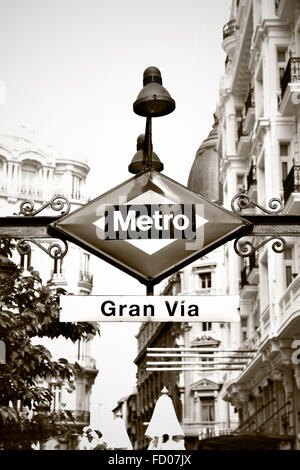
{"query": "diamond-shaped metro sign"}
(150, 260)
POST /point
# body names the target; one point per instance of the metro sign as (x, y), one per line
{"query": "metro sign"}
(150, 226)
(149, 221)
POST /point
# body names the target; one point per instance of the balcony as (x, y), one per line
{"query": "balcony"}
(87, 362)
(265, 322)
(291, 191)
(244, 140)
(229, 29)
(250, 278)
(251, 177)
(206, 429)
(290, 87)
(252, 342)
(75, 195)
(3, 187)
(249, 111)
(252, 182)
(58, 278)
(289, 307)
(71, 417)
(30, 190)
(229, 37)
(85, 279)
(278, 422)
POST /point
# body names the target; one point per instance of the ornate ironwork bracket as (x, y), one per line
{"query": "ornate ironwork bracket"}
(33, 227)
(246, 247)
(55, 250)
(242, 201)
(271, 227)
(57, 203)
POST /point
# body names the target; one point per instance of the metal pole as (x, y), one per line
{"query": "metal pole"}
(148, 141)
(149, 290)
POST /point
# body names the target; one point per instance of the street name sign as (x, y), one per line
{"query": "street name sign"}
(139, 308)
(150, 226)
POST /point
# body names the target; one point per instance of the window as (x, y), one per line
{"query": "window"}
(281, 61)
(205, 280)
(207, 409)
(25, 260)
(206, 326)
(288, 262)
(59, 184)
(2, 170)
(57, 268)
(85, 263)
(244, 325)
(29, 178)
(208, 360)
(76, 186)
(284, 152)
(240, 183)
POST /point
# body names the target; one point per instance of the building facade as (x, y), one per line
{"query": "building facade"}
(258, 147)
(151, 383)
(29, 172)
(126, 408)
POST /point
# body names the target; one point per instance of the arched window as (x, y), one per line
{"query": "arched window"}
(76, 187)
(29, 177)
(3, 175)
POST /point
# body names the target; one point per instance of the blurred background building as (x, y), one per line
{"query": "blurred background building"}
(31, 172)
(258, 148)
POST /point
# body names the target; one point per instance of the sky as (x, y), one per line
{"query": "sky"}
(71, 70)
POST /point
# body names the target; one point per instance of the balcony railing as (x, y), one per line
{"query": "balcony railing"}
(244, 276)
(229, 29)
(240, 130)
(289, 302)
(29, 190)
(253, 263)
(75, 194)
(249, 103)
(80, 416)
(3, 186)
(83, 360)
(291, 73)
(259, 422)
(292, 182)
(85, 277)
(213, 428)
(251, 177)
(68, 416)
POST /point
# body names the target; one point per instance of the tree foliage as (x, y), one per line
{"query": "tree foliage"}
(30, 309)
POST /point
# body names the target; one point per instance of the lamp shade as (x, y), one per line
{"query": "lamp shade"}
(139, 160)
(119, 438)
(153, 100)
(164, 419)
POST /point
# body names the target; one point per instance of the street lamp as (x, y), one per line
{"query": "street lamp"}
(152, 101)
(139, 161)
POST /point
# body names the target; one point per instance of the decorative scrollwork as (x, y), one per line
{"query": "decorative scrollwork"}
(242, 201)
(55, 250)
(246, 247)
(57, 203)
